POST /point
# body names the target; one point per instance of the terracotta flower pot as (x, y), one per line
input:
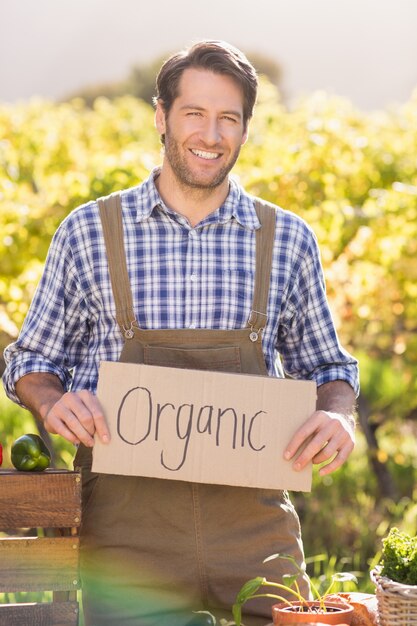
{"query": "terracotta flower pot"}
(336, 614)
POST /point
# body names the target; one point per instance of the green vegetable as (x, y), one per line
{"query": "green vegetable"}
(399, 557)
(30, 454)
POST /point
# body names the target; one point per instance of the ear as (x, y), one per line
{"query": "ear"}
(160, 118)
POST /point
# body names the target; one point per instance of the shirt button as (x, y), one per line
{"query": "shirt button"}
(191, 326)
(193, 233)
(193, 277)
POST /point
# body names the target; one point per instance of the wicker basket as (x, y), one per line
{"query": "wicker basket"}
(397, 603)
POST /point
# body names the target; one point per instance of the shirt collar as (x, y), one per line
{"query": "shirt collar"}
(238, 204)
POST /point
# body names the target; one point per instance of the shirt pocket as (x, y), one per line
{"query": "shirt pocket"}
(238, 285)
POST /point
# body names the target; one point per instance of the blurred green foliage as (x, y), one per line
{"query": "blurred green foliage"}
(351, 175)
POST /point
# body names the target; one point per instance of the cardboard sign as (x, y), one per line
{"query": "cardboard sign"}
(209, 427)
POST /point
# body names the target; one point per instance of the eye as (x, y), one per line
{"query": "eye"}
(194, 114)
(228, 118)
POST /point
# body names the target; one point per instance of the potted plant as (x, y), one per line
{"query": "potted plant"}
(300, 610)
(395, 579)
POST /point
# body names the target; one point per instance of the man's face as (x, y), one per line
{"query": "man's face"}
(204, 129)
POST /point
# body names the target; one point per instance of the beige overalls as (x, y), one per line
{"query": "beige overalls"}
(155, 550)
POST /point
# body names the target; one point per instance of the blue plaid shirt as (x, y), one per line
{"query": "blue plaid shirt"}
(181, 277)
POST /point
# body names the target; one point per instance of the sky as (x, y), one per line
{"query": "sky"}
(364, 50)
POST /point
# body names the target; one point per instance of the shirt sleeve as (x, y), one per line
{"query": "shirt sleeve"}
(307, 338)
(54, 335)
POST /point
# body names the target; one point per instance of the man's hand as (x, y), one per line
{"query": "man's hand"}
(329, 434)
(77, 416)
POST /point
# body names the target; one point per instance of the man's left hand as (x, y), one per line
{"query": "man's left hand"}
(329, 434)
(330, 437)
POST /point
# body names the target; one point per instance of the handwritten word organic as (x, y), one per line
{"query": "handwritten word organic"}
(184, 422)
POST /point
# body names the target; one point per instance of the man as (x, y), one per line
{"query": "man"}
(197, 288)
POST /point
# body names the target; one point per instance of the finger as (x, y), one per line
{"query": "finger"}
(315, 442)
(73, 424)
(316, 445)
(56, 426)
(76, 403)
(332, 447)
(77, 417)
(96, 410)
(68, 414)
(310, 426)
(327, 434)
(337, 462)
(326, 443)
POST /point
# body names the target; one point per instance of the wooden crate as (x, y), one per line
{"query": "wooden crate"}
(49, 502)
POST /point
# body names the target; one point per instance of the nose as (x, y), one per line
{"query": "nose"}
(210, 133)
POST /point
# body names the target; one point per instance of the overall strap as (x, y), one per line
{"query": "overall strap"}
(265, 237)
(112, 223)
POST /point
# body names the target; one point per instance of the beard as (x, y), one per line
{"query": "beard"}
(191, 177)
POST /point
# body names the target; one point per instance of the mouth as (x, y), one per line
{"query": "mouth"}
(203, 154)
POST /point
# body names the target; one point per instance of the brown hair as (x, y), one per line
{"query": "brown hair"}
(216, 56)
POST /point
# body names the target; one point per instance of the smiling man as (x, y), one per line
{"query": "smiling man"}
(186, 269)
(203, 132)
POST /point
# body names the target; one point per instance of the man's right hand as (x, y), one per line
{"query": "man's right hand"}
(75, 415)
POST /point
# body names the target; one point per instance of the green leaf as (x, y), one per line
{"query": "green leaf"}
(249, 588)
(289, 579)
(343, 577)
(288, 557)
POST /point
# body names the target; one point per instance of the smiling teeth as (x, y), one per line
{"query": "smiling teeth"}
(205, 155)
